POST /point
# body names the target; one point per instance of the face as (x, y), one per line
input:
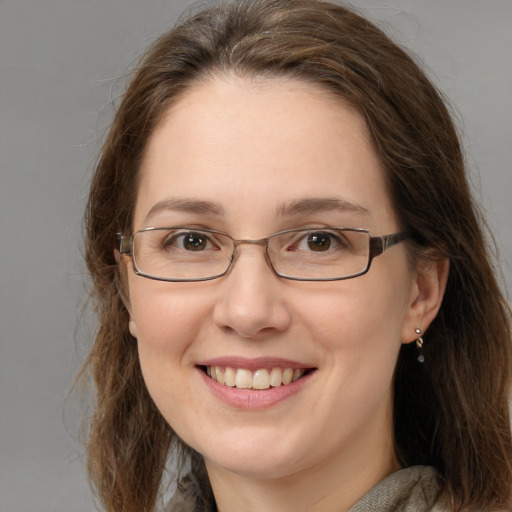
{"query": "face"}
(251, 159)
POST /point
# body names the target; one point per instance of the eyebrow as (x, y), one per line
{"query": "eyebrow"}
(304, 206)
(314, 205)
(189, 205)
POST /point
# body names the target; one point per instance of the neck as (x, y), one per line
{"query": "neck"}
(334, 485)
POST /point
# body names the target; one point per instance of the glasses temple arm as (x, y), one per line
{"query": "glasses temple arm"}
(124, 243)
(378, 244)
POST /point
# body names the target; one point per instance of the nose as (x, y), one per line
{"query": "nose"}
(250, 300)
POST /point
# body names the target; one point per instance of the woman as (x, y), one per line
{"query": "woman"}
(293, 283)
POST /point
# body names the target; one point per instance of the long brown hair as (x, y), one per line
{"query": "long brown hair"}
(452, 411)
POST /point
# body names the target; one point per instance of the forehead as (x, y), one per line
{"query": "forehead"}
(250, 145)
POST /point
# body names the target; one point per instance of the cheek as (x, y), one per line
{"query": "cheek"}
(358, 328)
(163, 313)
(357, 315)
(166, 325)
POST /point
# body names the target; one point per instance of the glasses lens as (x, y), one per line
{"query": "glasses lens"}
(320, 253)
(178, 254)
(181, 254)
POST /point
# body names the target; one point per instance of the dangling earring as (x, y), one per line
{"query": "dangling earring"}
(419, 346)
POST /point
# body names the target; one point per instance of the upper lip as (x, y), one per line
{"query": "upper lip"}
(254, 364)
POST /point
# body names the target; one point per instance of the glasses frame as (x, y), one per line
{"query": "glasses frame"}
(377, 245)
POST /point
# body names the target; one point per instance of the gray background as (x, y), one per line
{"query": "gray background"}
(62, 62)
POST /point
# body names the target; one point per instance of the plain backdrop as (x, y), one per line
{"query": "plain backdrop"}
(62, 65)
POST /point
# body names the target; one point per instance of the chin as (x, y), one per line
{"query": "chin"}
(258, 460)
(254, 468)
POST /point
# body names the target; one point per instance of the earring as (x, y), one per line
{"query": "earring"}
(419, 346)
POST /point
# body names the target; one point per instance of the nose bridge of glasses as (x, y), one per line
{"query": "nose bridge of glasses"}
(260, 241)
(263, 242)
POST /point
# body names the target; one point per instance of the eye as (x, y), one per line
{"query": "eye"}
(320, 241)
(189, 241)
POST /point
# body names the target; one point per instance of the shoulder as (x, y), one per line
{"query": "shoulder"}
(414, 489)
(188, 497)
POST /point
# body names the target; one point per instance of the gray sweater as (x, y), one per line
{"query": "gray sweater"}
(414, 489)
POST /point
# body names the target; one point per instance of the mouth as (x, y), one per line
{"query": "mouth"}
(260, 379)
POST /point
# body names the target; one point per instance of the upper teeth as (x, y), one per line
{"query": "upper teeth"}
(263, 378)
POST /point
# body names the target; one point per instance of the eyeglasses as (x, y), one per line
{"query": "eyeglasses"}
(306, 254)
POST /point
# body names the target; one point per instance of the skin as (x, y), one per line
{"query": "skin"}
(251, 148)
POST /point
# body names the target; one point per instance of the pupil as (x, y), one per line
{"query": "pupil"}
(319, 242)
(194, 242)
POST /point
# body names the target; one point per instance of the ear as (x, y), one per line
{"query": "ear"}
(132, 326)
(426, 294)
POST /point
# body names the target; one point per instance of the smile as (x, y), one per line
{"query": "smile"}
(263, 378)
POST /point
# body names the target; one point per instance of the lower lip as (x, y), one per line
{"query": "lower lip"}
(251, 398)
